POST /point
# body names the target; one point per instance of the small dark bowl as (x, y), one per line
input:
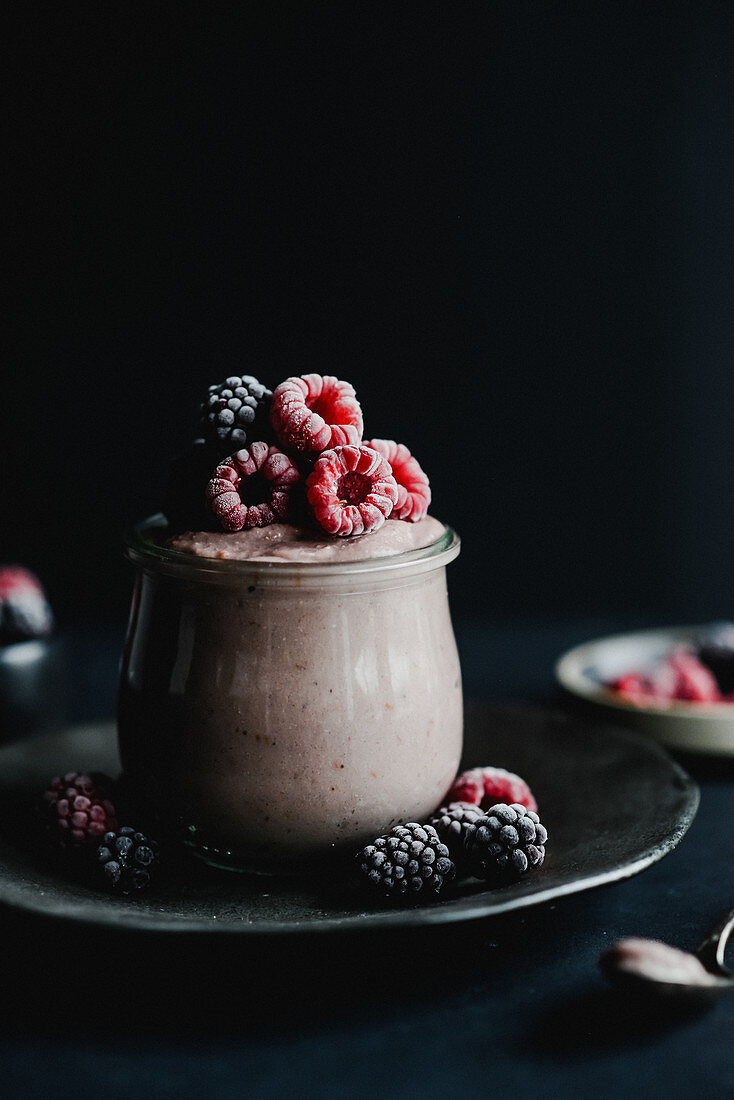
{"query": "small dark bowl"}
(32, 687)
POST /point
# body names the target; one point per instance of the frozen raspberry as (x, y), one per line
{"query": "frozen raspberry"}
(694, 682)
(485, 786)
(633, 688)
(414, 493)
(351, 490)
(252, 488)
(24, 609)
(77, 810)
(655, 684)
(680, 677)
(313, 413)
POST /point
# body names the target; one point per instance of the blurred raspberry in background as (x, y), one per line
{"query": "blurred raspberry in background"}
(24, 609)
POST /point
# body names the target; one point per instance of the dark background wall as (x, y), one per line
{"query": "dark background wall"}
(510, 225)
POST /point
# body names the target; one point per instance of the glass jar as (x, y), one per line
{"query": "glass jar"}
(275, 711)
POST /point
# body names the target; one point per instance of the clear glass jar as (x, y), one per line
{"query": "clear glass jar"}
(273, 711)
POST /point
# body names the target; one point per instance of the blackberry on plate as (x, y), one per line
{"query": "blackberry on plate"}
(410, 859)
(127, 861)
(237, 410)
(452, 822)
(507, 842)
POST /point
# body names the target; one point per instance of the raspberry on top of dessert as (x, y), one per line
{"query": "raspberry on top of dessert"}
(294, 453)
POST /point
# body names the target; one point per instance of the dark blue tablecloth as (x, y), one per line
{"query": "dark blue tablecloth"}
(482, 1007)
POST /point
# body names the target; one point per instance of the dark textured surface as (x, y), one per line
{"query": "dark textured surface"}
(568, 765)
(513, 1002)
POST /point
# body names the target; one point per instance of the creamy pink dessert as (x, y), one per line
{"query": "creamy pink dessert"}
(284, 694)
(287, 542)
(290, 684)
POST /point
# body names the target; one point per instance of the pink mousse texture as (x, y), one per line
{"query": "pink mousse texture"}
(280, 717)
(286, 542)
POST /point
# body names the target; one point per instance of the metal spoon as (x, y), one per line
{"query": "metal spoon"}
(650, 966)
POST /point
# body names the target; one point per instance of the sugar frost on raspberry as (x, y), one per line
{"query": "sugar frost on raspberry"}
(485, 786)
(252, 488)
(414, 493)
(315, 412)
(351, 490)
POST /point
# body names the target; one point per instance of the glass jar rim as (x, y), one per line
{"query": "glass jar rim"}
(142, 550)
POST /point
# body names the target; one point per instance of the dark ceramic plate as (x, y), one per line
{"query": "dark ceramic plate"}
(570, 767)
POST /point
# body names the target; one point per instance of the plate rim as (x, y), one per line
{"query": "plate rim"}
(702, 729)
(443, 911)
(572, 679)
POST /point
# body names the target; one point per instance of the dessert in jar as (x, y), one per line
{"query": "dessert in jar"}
(290, 683)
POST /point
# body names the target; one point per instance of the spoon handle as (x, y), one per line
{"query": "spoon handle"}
(711, 952)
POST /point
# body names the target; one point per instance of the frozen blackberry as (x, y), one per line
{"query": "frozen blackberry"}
(237, 410)
(451, 823)
(410, 860)
(507, 842)
(127, 861)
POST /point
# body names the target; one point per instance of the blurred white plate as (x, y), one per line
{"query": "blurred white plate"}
(690, 727)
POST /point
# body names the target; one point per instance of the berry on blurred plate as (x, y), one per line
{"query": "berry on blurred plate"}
(24, 610)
